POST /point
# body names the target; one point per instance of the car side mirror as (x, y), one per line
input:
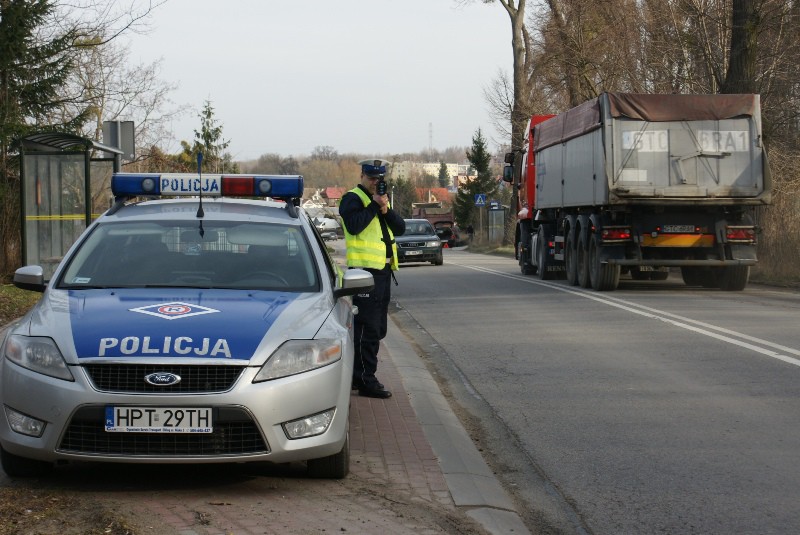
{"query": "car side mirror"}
(355, 281)
(30, 278)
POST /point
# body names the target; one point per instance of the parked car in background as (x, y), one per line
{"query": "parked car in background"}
(449, 233)
(419, 243)
(329, 235)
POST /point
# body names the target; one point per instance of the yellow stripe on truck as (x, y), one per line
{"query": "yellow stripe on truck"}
(679, 240)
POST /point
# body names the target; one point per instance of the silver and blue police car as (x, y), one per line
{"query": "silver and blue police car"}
(207, 329)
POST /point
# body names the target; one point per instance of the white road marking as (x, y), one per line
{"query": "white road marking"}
(706, 329)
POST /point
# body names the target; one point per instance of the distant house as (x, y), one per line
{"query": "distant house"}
(432, 211)
(440, 195)
(333, 195)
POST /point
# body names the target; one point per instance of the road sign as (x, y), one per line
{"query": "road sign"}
(480, 199)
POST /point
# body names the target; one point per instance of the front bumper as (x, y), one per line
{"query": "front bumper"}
(418, 254)
(247, 419)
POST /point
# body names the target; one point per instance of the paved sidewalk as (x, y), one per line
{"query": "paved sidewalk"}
(413, 470)
(433, 427)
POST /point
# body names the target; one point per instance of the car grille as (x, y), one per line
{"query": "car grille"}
(194, 379)
(409, 244)
(235, 433)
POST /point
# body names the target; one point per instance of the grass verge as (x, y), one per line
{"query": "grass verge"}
(15, 302)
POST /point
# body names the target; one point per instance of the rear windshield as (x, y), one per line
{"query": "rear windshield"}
(256, 256)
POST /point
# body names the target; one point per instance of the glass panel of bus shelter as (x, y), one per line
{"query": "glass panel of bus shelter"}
(55, 212)
(101, 171)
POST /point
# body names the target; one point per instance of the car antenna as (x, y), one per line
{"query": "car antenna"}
(200, 213)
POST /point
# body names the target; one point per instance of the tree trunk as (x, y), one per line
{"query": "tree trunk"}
(746, 22)
(519, 118)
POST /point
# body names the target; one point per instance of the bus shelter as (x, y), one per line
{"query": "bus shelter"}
(65, 183)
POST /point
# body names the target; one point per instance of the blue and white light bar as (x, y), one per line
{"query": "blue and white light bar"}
(184, 184)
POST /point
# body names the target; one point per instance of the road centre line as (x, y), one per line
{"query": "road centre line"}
(673, 319)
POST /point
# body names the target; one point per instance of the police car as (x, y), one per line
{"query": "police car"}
(207, 329)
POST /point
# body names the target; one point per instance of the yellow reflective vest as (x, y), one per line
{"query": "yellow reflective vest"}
(367, 249)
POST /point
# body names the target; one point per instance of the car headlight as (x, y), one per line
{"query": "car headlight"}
(38, 353)
(298, 356)
(434, 243)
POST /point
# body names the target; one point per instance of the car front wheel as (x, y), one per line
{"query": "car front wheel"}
(16, 466)
(335, 466)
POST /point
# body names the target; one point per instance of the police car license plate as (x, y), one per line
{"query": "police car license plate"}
(159, 420)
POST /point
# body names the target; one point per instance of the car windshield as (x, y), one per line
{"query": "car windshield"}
(254, 256)
(416, 228)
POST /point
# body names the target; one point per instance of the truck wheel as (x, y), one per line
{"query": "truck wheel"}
(659, 275)
(734, 278)
(692, 276)
(638, 275)
(524, 266)
(570, 260)
(542, 257)
(701, 276)
(582, 263)
(604, 277)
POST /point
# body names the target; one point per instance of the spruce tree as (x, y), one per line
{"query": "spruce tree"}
(466, 212)
(33, 73)
(209, 141)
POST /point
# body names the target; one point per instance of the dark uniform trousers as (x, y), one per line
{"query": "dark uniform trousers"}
(369, 326)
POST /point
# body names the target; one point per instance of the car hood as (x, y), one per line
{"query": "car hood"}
(178, 323)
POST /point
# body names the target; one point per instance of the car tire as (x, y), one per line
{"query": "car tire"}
(16, 466)
(335, 466)
(439, 260)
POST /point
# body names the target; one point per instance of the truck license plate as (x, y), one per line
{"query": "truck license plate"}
(158, 420)
(676, 229)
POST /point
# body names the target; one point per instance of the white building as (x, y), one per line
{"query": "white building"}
(410, 170)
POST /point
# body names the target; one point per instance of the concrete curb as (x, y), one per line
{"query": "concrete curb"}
(469, 479)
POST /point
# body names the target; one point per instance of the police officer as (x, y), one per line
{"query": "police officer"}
(370, 225)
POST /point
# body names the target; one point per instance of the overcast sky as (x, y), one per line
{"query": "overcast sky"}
(364, 76)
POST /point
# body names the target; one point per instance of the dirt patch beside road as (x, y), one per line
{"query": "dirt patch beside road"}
(239, 499)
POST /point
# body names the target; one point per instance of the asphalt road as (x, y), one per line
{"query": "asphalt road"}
(656, 408)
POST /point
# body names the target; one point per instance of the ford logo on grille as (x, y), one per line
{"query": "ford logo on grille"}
(162, 379)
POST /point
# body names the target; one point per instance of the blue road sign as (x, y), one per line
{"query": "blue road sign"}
(480, 199)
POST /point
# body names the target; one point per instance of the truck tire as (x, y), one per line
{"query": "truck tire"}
(638, 275)
(700, 276)
(584, 281)
(659, 275)
(543, 261)
(604, 277)
(690, 275)
(524, 266)
(734, 278)
(570, 260)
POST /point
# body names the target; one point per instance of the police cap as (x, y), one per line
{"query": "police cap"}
(373, 167)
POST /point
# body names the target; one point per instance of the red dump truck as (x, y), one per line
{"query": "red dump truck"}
(640, 183)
